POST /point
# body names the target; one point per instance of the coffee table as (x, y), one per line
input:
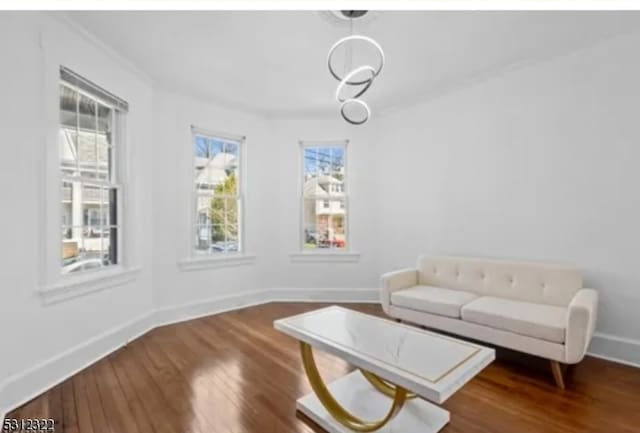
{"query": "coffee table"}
(401, 369)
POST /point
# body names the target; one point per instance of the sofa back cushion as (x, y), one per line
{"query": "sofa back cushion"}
(523, 281)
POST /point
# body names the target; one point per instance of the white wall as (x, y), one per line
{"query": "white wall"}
(540, 163)
(33, 333)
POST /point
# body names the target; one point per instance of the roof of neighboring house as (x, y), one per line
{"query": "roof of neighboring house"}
(212, 171)
(317, 186)
(86, 149)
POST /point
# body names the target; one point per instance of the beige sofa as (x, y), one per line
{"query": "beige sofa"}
(540, 309)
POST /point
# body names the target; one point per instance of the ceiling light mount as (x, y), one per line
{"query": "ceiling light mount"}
(351, 15)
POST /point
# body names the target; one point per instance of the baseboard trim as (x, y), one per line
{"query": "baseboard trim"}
(3, 412)
(195, 310)
(616, 349)
(324, 295)
(23, 387)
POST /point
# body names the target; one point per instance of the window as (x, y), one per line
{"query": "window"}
(324, 198)
(218, 193)
(90, 190)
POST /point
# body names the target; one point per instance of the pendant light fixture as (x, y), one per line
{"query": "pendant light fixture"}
(358, 79)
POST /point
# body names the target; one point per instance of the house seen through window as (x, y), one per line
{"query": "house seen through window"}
(218, 194)
(324, 196)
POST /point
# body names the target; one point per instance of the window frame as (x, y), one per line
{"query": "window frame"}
(302, 251)
(53, 286)
(196, 260)
(115, 183)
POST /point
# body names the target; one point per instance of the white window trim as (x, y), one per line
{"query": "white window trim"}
(212, 262)
(194, 261)
(324, 257)
(88, 282)
(328, 255)
(53, 286)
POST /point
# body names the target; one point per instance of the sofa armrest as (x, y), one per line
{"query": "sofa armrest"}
(396, 280)
(581, 323)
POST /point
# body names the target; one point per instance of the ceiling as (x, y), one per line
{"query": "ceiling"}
(274, 62)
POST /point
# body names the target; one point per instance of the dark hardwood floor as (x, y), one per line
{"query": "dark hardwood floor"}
(234, 373)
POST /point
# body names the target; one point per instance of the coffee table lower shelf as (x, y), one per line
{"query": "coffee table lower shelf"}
(360, 398)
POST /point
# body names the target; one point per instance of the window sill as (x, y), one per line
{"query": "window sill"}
(324, 257)
(214, 262)
(73, 286)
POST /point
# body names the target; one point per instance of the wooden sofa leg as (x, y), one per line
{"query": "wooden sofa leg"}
(556, 368)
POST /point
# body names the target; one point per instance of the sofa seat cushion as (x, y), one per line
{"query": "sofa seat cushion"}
(546, 322)
(434, 300)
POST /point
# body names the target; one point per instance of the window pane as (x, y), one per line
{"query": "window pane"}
(66, 194)
(231, 209)
(110, 206)
(311, 224)
(231, 161)
(71, 244)
(324, 160)
(223, 216)
(87, 137)
(104, 140)
(79, 253)
(105, 124)
(200, 146)
(217, 211)
(203, 238)
(216, 146)
(110, 245)
(67, 134)
(324, 224)
(217, 238)
(92, 242)
(231, 244)
(337, 229)
(216, 164)
(95, 208)
(104, 159)
(337, 161)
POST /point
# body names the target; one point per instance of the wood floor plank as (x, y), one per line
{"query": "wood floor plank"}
(69, 414)
(82, 403)
(114, 403)
(149, 410)
(234, 373)
(171, 361)
(224, 375)
(96, 407)
(55, 407)
(170, 409)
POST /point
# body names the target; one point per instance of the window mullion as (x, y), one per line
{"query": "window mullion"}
(77, 141)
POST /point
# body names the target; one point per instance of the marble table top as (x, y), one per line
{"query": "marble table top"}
(432, 365)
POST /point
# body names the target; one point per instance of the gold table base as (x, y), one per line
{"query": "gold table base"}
(337, 411)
